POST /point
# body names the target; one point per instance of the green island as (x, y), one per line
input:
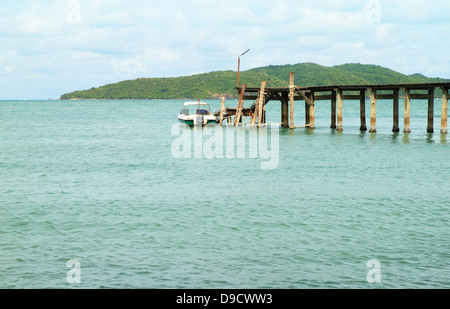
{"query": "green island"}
(217, 84)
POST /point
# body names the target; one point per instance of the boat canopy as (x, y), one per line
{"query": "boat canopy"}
(199, 108)
(194, 103)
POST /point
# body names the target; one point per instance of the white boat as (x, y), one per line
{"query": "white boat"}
(196, 114)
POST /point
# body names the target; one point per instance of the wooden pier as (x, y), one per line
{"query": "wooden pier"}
(337, 94)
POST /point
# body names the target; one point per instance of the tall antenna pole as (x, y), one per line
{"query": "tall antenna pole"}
(239, 65)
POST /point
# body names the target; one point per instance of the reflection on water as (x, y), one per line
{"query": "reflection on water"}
(395, 137)
(406, 138)
(309, 131)
(373, 136)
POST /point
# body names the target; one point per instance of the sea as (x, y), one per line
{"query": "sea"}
(120, 195)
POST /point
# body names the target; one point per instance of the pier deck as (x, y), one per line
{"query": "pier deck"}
(337, 94)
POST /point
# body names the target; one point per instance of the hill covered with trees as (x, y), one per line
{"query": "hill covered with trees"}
(216, 84)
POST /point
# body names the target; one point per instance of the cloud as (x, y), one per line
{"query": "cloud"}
(10, 69)
(130, 66)
(96, 3)
(85, 43)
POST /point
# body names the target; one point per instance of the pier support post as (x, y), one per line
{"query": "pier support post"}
(333, 109)
(291, 99)
(306, 110)
(362, 108)
(222, 111)
(264, 112)
(430, 125)
(311, 108)
(407, 117)
(444, 114)
(285, 110)
(339, 109)
(237, 118)
(395, 127)
(254, 116)
(262, 94)
(373, 110)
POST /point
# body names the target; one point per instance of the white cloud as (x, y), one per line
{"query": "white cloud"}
(383, 30)
(10, 69)
(131, 66)
(162, 55)
(116, 40)
(96, 3)
(29, 24)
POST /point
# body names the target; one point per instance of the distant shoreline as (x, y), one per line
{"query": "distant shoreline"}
(218, 84)
(186, 99)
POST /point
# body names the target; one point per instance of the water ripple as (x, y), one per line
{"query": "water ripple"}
(81, 182)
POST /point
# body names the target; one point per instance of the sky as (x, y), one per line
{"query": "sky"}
(51, 47)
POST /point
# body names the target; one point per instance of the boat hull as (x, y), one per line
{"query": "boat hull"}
(188, 122)
(192, 122)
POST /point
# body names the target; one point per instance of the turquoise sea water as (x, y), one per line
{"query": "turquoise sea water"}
(97, 182)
